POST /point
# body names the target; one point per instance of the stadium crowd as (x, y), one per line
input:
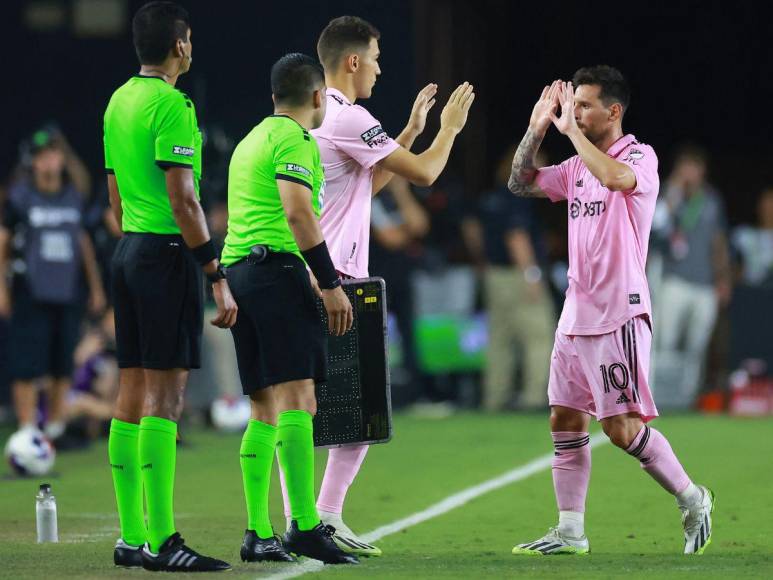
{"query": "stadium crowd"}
(489, 265)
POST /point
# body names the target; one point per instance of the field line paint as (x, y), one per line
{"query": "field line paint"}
(443, 507)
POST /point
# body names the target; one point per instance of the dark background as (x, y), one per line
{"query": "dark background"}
(700, 71)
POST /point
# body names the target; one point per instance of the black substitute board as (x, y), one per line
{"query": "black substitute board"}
(354, 406)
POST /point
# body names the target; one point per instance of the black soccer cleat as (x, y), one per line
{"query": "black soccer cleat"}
(127, 556)
(255, 549)
(175, 556)
(316, 543)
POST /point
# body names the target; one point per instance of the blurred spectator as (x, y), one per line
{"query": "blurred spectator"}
(511, 250)
(754, 245)
(689, 227)
(398, 224)
(44, 250)
(89, 404)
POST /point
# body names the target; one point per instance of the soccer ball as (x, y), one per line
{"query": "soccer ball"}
(230, 413)
(29, 452)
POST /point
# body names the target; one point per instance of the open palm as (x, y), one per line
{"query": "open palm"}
(425, 100)
(547, 104)
(566, 122)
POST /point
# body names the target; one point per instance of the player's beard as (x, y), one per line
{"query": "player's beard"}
(594, 137)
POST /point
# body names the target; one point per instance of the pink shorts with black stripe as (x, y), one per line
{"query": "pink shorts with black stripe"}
(606, 374)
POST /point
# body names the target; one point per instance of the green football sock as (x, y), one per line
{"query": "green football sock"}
(295, 447)
(256, 457)
(124, 455)
(158, 452)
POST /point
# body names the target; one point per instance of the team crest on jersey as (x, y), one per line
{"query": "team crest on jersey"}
(184, 151)
(321, 195)
(634, 155)
(375, 137)
(297, 169)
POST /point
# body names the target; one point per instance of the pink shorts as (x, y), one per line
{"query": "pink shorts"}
(604, 375)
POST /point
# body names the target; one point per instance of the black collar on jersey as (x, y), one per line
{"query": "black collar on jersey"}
(139, 76)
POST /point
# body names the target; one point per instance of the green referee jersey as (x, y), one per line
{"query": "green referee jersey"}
(278, 148)
(149, 127)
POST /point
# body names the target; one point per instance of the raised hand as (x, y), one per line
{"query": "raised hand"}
(566, 123)
(425, 100)
(546, 105)
(454, 115)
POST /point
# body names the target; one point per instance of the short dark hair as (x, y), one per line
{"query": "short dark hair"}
(156, 27)
(294, 77)
(614, 87)
(342, 34)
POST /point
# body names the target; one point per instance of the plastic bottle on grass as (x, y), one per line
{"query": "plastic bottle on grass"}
(45, 512)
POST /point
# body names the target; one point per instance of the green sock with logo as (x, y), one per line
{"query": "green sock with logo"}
(295, 447)
(124, 455)
(158, 453)
(256, 457)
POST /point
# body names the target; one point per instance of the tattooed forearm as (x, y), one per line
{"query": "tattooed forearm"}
(523, 171)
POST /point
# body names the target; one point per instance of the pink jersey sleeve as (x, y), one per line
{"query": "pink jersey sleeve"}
(644, 163)
(360, 135)
(554, 180)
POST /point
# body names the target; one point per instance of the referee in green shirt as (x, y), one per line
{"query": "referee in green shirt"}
(153, 163)
(275, 193)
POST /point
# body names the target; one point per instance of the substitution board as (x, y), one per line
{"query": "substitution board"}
(354, 406)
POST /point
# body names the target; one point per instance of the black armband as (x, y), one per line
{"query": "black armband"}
(204, 253)
(320, 264)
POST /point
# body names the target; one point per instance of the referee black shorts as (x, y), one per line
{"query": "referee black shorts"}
(158, 292)
(278, 333)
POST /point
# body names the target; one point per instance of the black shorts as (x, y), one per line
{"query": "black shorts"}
(278, 333)
(158, 293)
(42, 336)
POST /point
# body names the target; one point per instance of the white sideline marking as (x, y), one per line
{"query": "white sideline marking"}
(444, 506)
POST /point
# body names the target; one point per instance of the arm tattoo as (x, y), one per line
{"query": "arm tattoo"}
(523, 172)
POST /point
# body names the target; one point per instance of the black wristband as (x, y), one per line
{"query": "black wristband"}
(204, 253)
(320, 264)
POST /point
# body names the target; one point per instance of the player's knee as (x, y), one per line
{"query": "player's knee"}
(621, 430)
(263, 407)
(564, 419)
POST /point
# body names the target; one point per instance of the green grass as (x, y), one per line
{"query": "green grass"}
(633, 525)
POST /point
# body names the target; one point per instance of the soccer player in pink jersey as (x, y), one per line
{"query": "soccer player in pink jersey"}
(600, 359)
(360, 158)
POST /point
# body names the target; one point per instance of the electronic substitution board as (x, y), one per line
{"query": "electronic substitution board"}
(354, 406)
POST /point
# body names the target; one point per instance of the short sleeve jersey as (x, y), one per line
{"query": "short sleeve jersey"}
(608, 239)
(149, 126)
(351, 142)
(277, 149)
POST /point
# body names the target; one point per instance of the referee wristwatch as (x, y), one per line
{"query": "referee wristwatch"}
(217, 275)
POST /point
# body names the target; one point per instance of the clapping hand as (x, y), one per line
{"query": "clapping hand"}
(545, 107)
(566, 123)
(425, 100)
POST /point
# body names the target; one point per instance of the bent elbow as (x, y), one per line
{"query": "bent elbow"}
(424, 179)
(617, 182)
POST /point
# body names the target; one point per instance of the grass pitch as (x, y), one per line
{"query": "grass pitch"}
(633, 525)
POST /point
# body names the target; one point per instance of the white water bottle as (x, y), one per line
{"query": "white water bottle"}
(45, 512)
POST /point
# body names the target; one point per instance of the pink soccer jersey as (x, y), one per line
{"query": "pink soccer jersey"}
(608, 238)
(350, 142)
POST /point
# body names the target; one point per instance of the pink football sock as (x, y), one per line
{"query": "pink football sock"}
(571, 469)
(343, 463)
(283, 485)
(658, 459)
